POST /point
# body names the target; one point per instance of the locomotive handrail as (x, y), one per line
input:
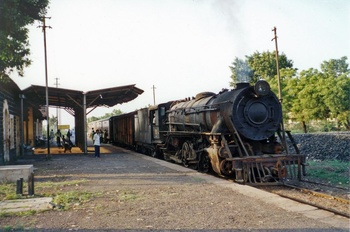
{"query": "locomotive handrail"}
(190, 132)
(194, 108)
(201, 110)
(186, 124)
(204, 108)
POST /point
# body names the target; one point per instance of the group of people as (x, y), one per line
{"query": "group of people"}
(61, 140)
(66, 143)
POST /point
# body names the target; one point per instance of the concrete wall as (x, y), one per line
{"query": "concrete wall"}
(12, 173)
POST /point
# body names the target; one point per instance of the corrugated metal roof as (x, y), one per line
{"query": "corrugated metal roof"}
(70, 99)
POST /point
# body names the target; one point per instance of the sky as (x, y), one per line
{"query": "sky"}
(182, 47)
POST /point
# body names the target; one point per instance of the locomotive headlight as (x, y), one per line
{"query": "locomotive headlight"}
(262, 88)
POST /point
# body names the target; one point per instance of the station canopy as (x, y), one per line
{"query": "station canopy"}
(71, 99)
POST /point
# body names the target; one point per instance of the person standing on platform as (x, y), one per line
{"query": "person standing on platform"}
(92, 134)
(52, 135)
(69, 134)
(97, 143)
(58, 138)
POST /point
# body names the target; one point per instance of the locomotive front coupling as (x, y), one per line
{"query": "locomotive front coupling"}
(255, 169)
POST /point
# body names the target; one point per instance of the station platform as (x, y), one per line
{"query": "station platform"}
(141, 193)
(55, 150)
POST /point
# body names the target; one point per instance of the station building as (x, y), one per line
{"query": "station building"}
(23, 111)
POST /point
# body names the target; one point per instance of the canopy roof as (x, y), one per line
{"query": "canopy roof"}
(70, 99)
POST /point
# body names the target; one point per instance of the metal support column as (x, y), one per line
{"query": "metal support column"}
(85, 129)
(21, 96)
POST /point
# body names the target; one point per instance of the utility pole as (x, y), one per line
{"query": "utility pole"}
(279, 89)
(47, 88)
(154, 95)
(277, 65)
(58, 115)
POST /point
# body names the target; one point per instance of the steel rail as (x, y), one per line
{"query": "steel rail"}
(315, 205)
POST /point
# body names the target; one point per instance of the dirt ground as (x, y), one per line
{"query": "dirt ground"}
(129, 192)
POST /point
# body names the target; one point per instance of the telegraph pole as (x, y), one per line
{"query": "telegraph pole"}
(154, 95)
(279, 89)
(47, 88)
(277, 65)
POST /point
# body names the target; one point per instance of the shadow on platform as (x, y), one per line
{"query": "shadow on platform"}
(54, 150)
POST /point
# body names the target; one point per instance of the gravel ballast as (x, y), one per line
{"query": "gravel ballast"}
(324, 146)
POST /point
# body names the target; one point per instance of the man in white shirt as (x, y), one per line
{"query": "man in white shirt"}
(97, 143)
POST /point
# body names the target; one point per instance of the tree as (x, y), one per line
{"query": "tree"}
(335, 67)
(264, 65)
(336, 89)
(241, 72)
(308, 103)
(323, 95)
(310, 95)
(258, 66)
(15, 15)
(288, 87)
(107, 115)
(337, 99)
(53, 121)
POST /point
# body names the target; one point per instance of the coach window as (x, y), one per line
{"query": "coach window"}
(162, 111)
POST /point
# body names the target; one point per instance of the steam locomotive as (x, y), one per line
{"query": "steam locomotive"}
(236, 133)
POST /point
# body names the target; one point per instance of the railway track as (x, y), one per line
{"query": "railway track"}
(330, 198)
(333, 199)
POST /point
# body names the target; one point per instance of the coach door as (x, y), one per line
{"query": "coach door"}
(155, 124)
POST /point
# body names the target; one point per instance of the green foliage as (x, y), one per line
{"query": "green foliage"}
(47, 188)
(11, 228)
(310, 95)
(67, 199)
(107, 115)
(337, 89)
(241, 72)
(324, 95)
(128, 196)
(330, 171)
(53, 122)
(21, 214)
(288, 87)
(335, 67)
(15, 15)
(264, 65)
(8, 192)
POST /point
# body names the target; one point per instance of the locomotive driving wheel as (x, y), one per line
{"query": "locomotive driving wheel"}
(186, 153)
(204, 163)
(154, 153)
(226, 167)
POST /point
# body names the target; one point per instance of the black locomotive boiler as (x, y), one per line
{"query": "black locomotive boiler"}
(236, 133)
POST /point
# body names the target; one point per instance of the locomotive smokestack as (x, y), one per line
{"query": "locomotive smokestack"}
(242, 85)
(243, 78)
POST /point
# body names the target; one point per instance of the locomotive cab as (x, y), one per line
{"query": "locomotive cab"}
(149, 126)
